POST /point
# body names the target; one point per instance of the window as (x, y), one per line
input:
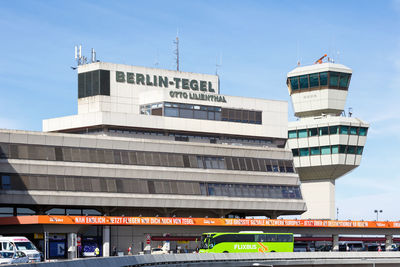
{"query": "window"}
(344, 80)
(5, 182)
(302, 133)
(313, 132)
(295, 152)
(353, 130)
(293, 134)
(315, 151)
(342, 149)
(323, 78)
(335, 149)
(186, 113)
(304, 82)
(333, 130)
(323, 131)
(304, 152)
(351, 150)
(359, 150)
(325, 150)
(171, 112)
(314, 80)
(294, 83)
(334, 79)
(362, 131)
(344, 129)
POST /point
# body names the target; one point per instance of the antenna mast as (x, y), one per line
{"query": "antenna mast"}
(176, 42)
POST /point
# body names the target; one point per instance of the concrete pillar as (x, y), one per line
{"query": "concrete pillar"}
(72, 251)
(388, 242)
(106, 241)
(320, 198)
(335, 242)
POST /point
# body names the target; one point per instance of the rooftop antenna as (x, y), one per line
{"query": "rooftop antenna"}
(93, 55)
(218, 64)
(350, 112)
(176, 42)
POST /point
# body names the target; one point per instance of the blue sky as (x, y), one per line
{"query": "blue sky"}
(258, 41)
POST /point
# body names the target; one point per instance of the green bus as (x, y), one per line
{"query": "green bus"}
(246, 242)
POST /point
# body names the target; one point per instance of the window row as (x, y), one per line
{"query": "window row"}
(241, 115)
(145, 186)
(201, 112)
(247, 190)
(252, 238)
(108, 156)
(328, 130)
(326, 150)
(336, 80)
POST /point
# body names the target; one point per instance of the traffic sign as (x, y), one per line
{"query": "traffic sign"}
(148, 239)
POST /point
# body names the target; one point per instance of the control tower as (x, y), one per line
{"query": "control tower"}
(325, 143)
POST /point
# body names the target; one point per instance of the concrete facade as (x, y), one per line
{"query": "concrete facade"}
(151, 142)
(325, 144)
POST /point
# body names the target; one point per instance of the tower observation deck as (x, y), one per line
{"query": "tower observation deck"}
(325, 144)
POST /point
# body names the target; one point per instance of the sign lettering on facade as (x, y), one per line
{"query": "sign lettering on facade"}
(163, 81)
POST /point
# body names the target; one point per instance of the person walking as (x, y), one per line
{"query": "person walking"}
(97, 252)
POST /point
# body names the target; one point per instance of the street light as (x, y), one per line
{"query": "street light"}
(377, 212)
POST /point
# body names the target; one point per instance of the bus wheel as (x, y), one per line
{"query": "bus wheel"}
(225, 252)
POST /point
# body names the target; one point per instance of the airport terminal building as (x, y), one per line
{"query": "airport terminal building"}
(150, 142)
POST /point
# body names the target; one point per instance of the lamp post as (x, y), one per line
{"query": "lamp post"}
(377, 213)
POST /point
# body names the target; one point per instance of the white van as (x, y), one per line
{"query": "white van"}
(20, 243)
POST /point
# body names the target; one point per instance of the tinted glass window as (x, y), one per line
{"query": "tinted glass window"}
(304, 152)
(171, 112)
(344, 129)
(353, 130)
(342, 149)
(313, 132)
(351, 149)
(285, 238)
(359, 150)
(314, 80)
(323, 131)
(303, 81)
(323, 78)
(344, 80)
(294, 83)
(333, 130)
(293, 134)
(295, 152)
(325, 150)
(335, 149)
(362, 131)
(315, 151)
(334, 79)
(302, 133)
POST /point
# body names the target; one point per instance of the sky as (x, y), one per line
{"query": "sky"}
(256, 43)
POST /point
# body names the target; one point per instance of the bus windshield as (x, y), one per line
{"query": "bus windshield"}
(204, 242)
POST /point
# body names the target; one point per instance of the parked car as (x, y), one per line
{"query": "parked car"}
(9, 257)
(163, 250)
